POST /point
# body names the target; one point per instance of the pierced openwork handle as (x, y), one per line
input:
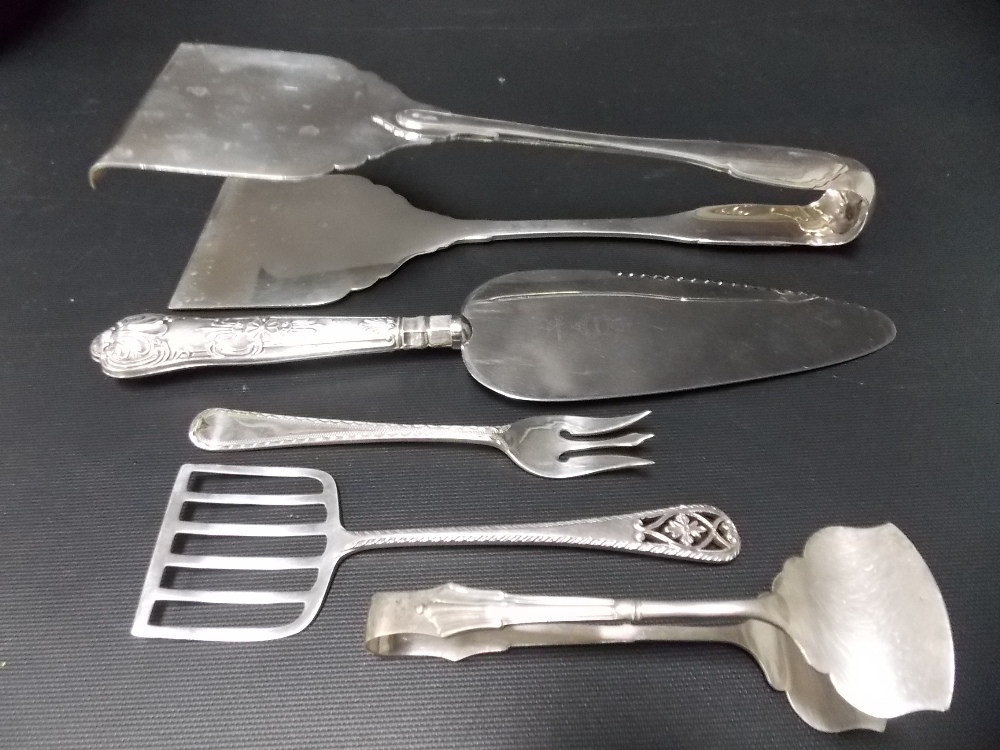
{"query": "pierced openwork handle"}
(701, 528)
(149, 343)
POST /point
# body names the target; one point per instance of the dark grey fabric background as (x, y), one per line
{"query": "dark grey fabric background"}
(909, 434)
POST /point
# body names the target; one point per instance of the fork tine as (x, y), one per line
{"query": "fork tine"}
(579, 465)
(601, 425)
(631, 440)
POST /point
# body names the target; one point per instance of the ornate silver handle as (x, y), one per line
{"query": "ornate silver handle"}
(387, 636)
(235, 430)
(834, 218)
(454, 622)
(848, 186)
(450, 609)
(148, 344)
(692, 532)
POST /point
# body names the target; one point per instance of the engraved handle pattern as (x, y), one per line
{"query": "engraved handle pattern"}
(149, 344)
(702, 533)
(450, 609)
(234, 430)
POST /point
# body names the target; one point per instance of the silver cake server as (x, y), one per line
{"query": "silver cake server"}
(860, 604)
(307, 243)
(543, 335)
(266, 114)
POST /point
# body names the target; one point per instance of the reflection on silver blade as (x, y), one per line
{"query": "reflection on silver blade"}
(595, 334)
(236, 111)
(297, 244)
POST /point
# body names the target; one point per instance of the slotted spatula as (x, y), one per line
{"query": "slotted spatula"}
(266, 114)
(701, 533)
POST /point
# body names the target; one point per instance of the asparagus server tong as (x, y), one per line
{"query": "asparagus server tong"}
(701, 533)
(857, 619)
(810, 693)
(536, 444)
(543, 335)
(269, 244)
(265, 114)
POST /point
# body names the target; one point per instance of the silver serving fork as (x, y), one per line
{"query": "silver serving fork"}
(547, 446)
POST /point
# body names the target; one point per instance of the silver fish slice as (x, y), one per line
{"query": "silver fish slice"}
(810, 693)
(266, 114)
(536, 444)
(652, 532)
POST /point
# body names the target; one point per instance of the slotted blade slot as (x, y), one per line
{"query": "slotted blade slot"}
(209, 512)
(200, 615)
(297, 546)
(216, 579)
(206, 482)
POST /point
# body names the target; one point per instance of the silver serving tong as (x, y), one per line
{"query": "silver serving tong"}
(855, 630)
(265, 114)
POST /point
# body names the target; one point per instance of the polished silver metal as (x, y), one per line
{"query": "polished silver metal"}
(536, 444)
(860, 604)
(810, 693)
(544, 335)
(265, 114)
(269, 244)
(700, 533)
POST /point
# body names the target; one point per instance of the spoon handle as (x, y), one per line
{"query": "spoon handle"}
(451, 609)
(387, 637)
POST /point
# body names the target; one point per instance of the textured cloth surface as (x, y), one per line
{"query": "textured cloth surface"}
(909, 434)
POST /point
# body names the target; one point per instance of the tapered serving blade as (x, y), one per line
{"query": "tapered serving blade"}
(305, 243)
(572, 335)
(237, 111)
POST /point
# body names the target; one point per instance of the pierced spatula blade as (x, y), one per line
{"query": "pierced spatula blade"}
(168, 557)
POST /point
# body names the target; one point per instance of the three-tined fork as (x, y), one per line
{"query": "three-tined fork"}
(548, 446)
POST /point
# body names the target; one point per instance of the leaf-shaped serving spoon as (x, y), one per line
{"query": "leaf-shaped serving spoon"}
(860, 604)
(810, 693)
